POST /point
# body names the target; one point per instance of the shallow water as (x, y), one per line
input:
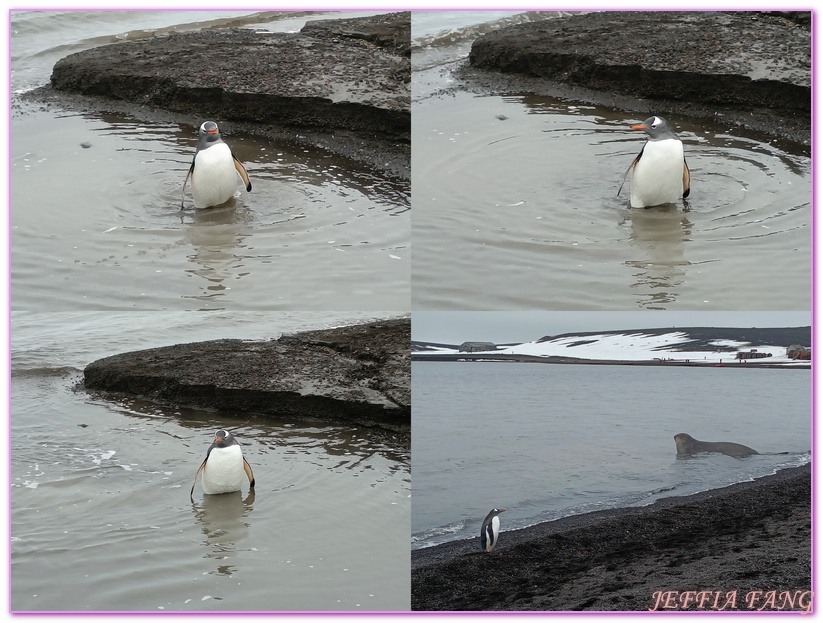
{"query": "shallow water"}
(516, 207)
(95, 201)
(544, 441)
(101, 517)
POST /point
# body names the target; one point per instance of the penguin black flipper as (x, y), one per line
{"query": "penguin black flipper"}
(490, 530)
(242, 171)
(249, 473)
(186, 181)
(631, 166)
(191, 495)
(687, 179)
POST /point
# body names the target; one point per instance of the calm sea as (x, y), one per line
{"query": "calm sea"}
(544, 441)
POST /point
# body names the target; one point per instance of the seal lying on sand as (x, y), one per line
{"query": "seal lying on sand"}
(686, 444)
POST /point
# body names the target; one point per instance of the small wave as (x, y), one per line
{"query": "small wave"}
(213, 21)
(793, 460)
(61, 371)
(437, 534)
(457, 35)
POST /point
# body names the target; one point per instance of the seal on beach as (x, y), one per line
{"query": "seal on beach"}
(686, 444)
(223, 466)
(213, 170)
(659, 173)
(490, 529)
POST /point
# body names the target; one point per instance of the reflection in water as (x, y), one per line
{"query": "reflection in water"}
(661, 234)
(222, 246)
(224, 525)
(529, 185)
(321, 221)
(215, 235)
(348, 449)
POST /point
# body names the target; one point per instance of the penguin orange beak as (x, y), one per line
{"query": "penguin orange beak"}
(640, 127)
(212, 131)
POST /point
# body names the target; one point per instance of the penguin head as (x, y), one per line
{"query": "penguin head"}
(209, 134)
(656, 128)
(223, 439)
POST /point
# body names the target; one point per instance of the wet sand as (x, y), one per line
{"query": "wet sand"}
(708, 551)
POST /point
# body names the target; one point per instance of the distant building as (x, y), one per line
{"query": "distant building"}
(796, 351)
(474, 347)
(752, 354)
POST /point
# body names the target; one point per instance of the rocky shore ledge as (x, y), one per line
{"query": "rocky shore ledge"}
(749, 68)
(745, 547)
(359, 374)
(342, 85)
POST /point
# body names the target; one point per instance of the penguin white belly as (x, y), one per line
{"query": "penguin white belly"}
(657, 177)
(223, 472)
(495, 530)
(214, 179)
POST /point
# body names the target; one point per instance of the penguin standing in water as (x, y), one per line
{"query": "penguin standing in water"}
(224, 466)
(490, 529)
(213, 170)
(659, 173)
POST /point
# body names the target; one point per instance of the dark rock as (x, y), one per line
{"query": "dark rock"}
(694, 56)
(803, 18)
(284, 79)
(391, 32)
(749, 536)
(341, 87)
(737, 62)
(360, 374)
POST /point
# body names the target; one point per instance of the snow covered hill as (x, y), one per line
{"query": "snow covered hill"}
(709, 346)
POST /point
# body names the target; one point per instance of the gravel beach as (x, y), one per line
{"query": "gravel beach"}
(746, 547)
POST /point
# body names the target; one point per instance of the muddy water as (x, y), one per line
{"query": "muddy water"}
(101, 517)
(100, 227)
(95, 199)
(516, 207)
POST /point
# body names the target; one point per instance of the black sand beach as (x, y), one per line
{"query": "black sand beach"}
(745, 547)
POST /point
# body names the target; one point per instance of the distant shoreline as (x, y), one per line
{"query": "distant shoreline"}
(663, 361)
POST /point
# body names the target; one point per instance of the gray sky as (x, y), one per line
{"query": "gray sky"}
(504, 327)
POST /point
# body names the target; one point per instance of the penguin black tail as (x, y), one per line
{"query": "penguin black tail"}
(249, 473)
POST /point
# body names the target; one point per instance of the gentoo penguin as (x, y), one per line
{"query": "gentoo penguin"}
(490, 529)
(213, 170)
(659, 173)
(224, 466)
